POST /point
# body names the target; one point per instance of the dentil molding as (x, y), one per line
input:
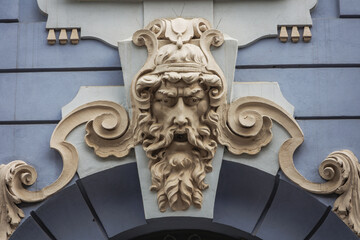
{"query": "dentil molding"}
(113, 20)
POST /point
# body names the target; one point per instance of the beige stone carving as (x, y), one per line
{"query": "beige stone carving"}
(176, 102)
(179, 115)
(10, 214)
(340, 169)
(51, 37)
(307, 34)
(180, 112)
(110, 121)
(283, 35)
(243, 128)
(347, 205)
(74, 37)
(63, 38)
(109, 131)
(295, 35)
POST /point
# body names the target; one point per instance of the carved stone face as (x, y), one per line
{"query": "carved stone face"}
(180, 113)
(179, 105)
(176, 96)
(178, 138)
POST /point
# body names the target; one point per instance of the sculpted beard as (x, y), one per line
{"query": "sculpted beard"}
(179, 177)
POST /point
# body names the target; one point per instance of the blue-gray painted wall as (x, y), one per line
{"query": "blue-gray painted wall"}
(321, 79)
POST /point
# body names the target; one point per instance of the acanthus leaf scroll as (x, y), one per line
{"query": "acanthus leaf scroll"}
(10, 214)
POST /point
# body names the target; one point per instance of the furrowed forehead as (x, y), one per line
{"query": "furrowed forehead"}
(170, 92)
(195, 91)
(177, 90)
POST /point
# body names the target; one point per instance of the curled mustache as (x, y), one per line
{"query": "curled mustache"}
(160, 139)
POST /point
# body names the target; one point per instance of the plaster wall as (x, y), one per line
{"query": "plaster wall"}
(321, 80)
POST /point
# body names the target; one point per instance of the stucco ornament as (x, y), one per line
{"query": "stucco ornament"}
(177, 98)
(179, 114)
(10, 214)
(15, 176)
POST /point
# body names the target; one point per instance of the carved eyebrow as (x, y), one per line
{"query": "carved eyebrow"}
(194, 91)
(167, 93)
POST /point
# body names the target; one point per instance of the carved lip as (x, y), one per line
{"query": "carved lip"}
(180, 137)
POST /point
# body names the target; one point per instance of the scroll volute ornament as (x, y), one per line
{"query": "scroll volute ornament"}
(111, 122)
(10, 214)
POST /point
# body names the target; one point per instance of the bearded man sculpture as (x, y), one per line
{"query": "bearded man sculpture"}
(179, 129)
(180, 113)
(178, 139)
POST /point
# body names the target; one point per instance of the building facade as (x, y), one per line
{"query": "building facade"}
(319, 78)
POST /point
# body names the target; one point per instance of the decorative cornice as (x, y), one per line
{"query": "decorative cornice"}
(254, 19)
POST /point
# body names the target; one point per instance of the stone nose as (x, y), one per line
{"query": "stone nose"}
(181, 118)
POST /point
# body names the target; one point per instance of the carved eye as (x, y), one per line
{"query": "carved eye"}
(191, 101)
(167, 101)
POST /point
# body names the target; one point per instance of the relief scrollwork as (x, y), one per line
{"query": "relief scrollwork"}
(340, 169)
(347, 205)
(243, 129)
(110, 132)
(110, 121)
(175, 98)
(180, 113)
(179, 116)
(10, 214)
(179, 102)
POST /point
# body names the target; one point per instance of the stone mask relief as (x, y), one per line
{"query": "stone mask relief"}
(178, 139)
(177, 99)
(178, 131)
(177, 104)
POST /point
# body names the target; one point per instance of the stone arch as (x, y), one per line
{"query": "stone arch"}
(250, 204)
